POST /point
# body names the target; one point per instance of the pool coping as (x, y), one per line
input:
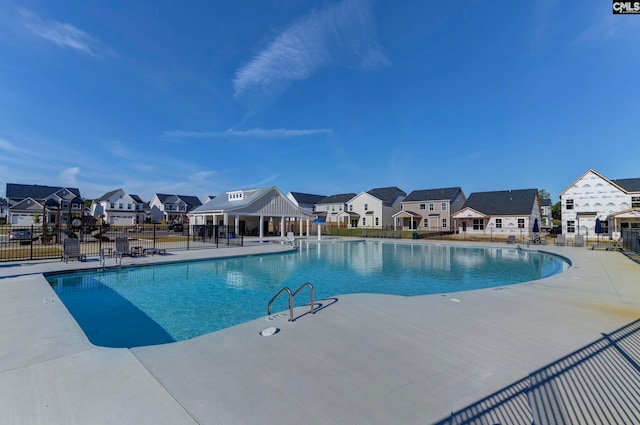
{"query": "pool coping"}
(364, 359)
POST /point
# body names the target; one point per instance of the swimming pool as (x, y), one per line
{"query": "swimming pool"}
(157, 304)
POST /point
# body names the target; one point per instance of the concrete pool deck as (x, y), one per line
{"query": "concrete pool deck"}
(361, 359)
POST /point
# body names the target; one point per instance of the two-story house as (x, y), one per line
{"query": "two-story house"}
(30, 204)
(375, 208)
(306, 201)
(119, 208)
(430, 209)
(616, 203)
(500, 213)
(172, 208)
(330, 206)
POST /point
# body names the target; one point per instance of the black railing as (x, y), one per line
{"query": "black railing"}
(631, 239)
(36, 242)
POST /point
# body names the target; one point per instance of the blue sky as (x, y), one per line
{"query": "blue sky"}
(324, 97)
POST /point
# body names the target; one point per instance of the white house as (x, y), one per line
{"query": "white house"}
(616, 203)
(500, 213)
(306, 201)
(330, 206)
(172, 208)
(119, 208)
(374, 208)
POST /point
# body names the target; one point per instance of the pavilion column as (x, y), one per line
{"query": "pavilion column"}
(308, 227)
(261, 228)
(282, 229)
(237, 225)
(225, 219)
(300, 224)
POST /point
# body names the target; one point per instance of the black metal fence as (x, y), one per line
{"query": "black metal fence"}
(37, 242)
(631, 239)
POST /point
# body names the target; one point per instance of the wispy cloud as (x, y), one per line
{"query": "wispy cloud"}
(278, 133)
(610, 27)
(69, 176)
(340, 35)
(8, 147)
(59, 33)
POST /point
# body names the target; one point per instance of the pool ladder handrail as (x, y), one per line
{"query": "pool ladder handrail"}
(291, 297)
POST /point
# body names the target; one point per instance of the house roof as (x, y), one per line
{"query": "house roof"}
(108, 195)
(546, 202)
(432, 194)
(137, 199)
(387, 195)
(504, 202)
(337, 199)
(35, 191)
(192, 201)
(307, 198)
(630, 185)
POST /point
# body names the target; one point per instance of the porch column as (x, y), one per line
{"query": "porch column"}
(261, 228)
(308, 227)
(282, 226)
(225, 219)
(300, 225)
(237, 225)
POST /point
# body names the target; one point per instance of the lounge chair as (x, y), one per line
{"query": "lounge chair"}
(511, 239)
(364, 233)
(122, 248)
(616, 246)
(291, 239)
(398, 234)
(560, 240)
(375, 234)
(578, 241)
(71, 249)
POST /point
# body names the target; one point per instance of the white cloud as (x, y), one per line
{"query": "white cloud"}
(340, 35)
(256, 133)
(6, 146)
(69, 176)
(59, 33)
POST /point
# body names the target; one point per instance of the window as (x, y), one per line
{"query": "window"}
(569, 204)
(521, 223)
(423, 206)
(498, 223)
(364, 221)
(366, 207)
(112, 205)
(333, 208)
(571, 226)
(635, 201)
(443, 206)
(120, 206)
(377, 221)
(444, 223)
(65, 204)
(431, 208)
(129, 206)
(478, 224)
(350, 207)
(425, 223)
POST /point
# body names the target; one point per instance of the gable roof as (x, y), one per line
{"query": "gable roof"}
(108, 195)
(432, 194)
(35, 191)
(192, 201)
(504, 202)
(546, 202)
(630, 185)
(337, 199)
(387, 195)
(307, 198)
(249, 198)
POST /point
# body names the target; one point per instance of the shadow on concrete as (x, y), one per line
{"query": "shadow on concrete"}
(597, 384)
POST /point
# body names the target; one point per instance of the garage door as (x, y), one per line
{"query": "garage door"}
(121, 220)
(22, 219)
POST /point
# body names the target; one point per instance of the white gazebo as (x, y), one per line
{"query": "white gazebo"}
(253, 211)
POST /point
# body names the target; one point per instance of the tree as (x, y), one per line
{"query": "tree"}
(556, 211)
(544, 194)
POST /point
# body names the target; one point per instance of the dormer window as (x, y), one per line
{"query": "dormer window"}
(235, 196)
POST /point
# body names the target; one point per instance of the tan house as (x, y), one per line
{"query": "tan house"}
(429, 209)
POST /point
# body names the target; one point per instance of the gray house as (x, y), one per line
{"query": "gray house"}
(28, 202)
(500, 213)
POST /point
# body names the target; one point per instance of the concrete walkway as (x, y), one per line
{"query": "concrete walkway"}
(361, 359)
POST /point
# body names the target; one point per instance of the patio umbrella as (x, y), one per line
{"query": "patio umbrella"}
(536, 227)
(598, 228)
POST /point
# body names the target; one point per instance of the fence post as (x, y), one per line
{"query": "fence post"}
(31, 243)
(154, 236)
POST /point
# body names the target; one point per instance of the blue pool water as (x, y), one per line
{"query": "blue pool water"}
(149, 305)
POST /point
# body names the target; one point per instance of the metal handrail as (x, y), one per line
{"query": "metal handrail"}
(311, 290)
(285, 289)
(291, 297)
